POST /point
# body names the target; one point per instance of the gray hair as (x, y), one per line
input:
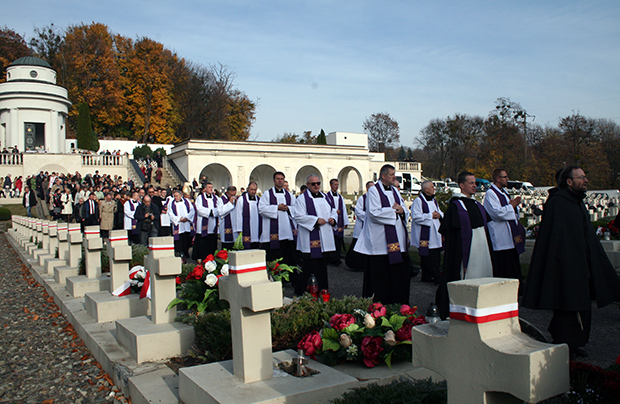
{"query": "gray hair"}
(425, 183)
(310, 176)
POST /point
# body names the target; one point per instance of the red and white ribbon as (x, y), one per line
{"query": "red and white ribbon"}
(120, 238)
(125, 288)
(74, 229)
(242, 269)
(485, 315)
(159, 247)
(91, 232)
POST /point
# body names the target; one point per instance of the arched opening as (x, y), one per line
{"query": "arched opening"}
(305, 171)
(218, 175)
(263, 175)
(350, 181)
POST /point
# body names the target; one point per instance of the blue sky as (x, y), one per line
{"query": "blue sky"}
(331, 64)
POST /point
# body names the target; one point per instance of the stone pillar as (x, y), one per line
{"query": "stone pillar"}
(93, 244)
(75, 245)
(46, 234)
(63, 241)
(53, 237)
(163, 267)
(119, 252)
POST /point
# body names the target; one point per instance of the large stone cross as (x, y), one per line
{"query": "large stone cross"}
(251, 295)
(163, 267)
(93, 244)
(482, 352)
(119, 252)
(75, 244)
(63, 241)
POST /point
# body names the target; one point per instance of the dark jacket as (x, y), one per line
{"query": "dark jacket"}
(90, 219)
(568, 261)
(32, 199)
(140, 216)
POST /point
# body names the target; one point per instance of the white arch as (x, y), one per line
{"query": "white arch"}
(350, 184)
(263, 175)
(218, 175)
(303, 172)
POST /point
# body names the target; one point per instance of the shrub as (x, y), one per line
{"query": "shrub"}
(142, 151)
(161, 150)
(5, 214)
(403, 390)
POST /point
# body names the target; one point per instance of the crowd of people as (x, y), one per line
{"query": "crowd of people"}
(307, 230)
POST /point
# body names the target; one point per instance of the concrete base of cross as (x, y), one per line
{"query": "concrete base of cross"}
(216, 383)
(104, 307)
(78, 286)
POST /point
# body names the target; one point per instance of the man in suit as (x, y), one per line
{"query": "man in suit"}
(148, 217)
(90, 211)
(29, 200)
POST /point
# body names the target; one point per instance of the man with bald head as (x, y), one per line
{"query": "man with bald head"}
(426, 219)
(147, 215)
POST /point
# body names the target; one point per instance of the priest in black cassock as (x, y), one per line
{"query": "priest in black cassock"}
(569, 267)
(467, 252)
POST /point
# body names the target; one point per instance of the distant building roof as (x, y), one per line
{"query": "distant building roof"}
(30, 61)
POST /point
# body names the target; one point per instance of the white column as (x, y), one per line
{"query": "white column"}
(13, 135)
(52, 133)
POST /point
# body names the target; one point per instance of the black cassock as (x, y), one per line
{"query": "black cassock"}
(569, 268)
(450, 229)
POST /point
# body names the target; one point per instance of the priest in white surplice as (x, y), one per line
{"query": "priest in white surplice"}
(228, 235)
(247, 220)
(315, 219)
(181, 212)
(207, 216)
(384, 242)
(130, 223)
(425, 221)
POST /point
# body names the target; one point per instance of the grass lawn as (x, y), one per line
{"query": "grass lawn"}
(18, 209)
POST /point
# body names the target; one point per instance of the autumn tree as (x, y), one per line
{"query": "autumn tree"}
(92, 74)
(382, 131)
(12, 47)
(47, 44)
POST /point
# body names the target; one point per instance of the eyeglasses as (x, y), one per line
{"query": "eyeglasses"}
(314, 183)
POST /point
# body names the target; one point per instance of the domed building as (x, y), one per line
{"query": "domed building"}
(33, 109)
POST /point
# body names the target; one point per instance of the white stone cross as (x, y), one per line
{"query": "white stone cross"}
(93, 244)
(163, 267)
(482, 352)
(63, 241)
(251, 295)
(75, 244)
(119, 252)
(53, 237)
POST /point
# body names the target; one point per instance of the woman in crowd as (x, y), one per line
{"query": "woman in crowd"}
(67, 205)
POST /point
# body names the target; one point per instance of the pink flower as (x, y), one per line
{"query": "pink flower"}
(404, 332)
(311, 343)
(341, 321)
(377, 310)
(371, 349)
(405, 310)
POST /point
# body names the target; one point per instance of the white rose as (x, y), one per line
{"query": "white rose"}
(211, 280)
(390, 338)
(345, 340)
(369, 322)
(224, 270)
(210, 266)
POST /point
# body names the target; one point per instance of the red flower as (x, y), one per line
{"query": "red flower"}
(618, 360)
(178, 280)
(341, 321)
(311, 343)
(404, 332)
(210, 258)
(377, 310)
(371, 349)
(222, 254)
(418, 320)
(405, 310)
(276, 268)
(196, 273)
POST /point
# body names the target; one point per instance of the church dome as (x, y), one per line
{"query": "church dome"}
(30, 61)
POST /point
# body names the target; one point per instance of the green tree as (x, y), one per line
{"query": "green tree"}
(321, 139)
(402, 154)
(86, 138)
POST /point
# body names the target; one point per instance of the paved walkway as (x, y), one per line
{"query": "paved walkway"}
(42, 360)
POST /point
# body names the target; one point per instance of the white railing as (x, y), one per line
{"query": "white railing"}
(11, 159)
(104, 160)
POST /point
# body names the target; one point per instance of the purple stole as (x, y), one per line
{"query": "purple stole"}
(339, 230)
(425, 231)
(466, 230)
(516, 228)
(391, 237)
(228, 231)
(247, 229)
(315, 237)
(175, 227)
(205, 220)
(274, 235)
(134, 222)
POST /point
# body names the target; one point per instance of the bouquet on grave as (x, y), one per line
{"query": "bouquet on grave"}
(137, 277)
(198, 285)
(382, 334)
(280, 272)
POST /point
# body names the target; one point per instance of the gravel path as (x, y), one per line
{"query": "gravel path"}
(42, 360)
